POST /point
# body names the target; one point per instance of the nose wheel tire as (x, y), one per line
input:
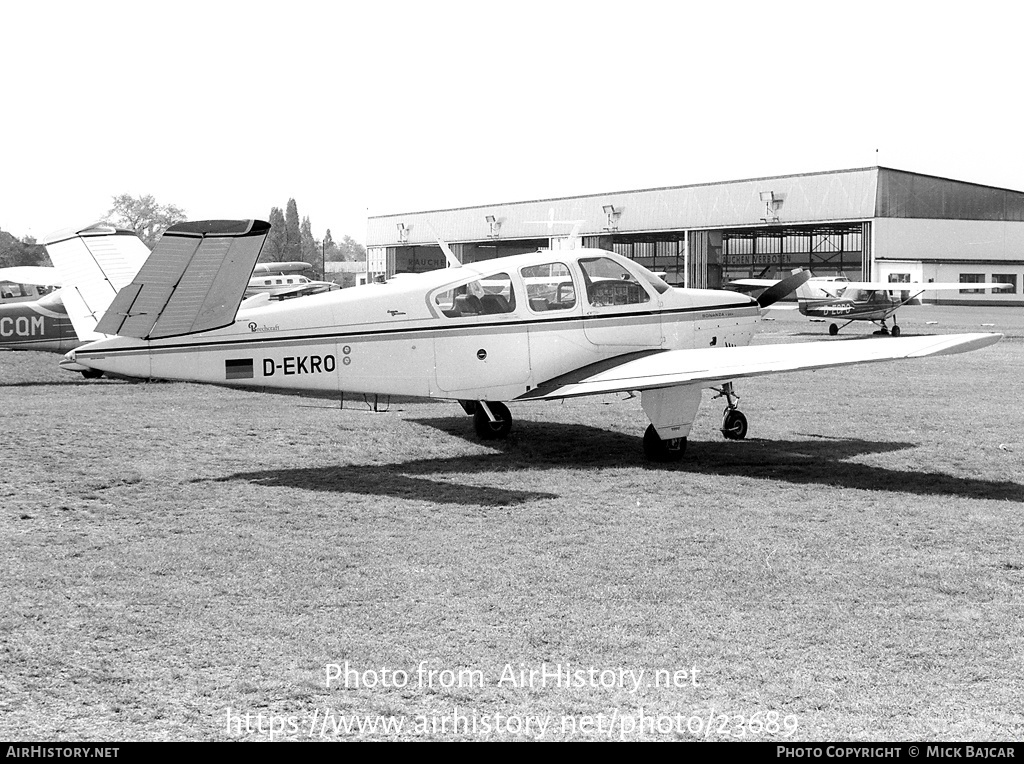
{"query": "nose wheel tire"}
(488, 430)
(658, 450)
(734, 425)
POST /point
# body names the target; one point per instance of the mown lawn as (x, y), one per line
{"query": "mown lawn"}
(170, 551)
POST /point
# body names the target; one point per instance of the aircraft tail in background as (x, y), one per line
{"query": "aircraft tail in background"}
(94, 263)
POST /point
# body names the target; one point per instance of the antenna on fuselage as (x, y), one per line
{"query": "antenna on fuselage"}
(574, 235)
(449, 256)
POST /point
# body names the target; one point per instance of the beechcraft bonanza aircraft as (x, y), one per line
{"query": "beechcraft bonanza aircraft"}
(875, 301)
(549, 325)
(90, 265)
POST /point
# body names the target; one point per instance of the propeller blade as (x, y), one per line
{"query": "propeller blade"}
(773, 294)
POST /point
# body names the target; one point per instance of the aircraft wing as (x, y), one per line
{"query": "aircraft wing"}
(711, 366)
(301, 290)
(37, 275)
(291, 266)
(193, 281)
(755, 283)
(918, 286)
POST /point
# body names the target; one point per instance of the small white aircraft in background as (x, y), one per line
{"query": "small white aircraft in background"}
(874, 301)
(283, 280)
(59, 307)
(548, 325)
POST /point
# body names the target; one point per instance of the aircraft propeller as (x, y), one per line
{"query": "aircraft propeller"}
(773, 294)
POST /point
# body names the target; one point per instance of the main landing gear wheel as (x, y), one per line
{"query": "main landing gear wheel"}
(833, 330)
(485, 428)
(658, 450)
(734, 425)
(895, 331)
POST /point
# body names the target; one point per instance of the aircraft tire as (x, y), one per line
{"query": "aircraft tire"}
(734, 425)
(92, 373)
(658, 450)
(895, 332)
(833, 330)
(488, 430)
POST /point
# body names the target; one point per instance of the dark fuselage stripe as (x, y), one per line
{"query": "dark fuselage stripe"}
(266, 338)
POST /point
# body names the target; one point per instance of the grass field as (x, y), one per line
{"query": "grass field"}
(177, 557)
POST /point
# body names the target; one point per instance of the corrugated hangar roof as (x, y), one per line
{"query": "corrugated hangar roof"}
(842, 195)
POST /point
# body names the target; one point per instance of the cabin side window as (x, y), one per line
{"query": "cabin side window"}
(10, 290)
(608, 283)
(490, 295)
(549, 287)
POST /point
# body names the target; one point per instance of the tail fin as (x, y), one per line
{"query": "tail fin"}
(804, 293)
(193, 281)
(93, 264)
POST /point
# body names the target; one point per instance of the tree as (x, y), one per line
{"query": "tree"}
(24, 252)
(352, 249)
(273, 249)
(145, 216)
(331, 251)
(292, 234)
(310, 247)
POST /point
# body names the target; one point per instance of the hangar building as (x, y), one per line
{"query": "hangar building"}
(873, 223)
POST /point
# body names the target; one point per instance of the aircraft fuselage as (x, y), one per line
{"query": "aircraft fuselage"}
(850, 310)
(41, 324)
(543, 315)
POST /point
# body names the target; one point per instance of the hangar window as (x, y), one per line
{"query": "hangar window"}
(972, 278)
(1005, 278)
(486, 296)
(549, 287)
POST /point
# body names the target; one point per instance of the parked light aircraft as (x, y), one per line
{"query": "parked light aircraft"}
(282, 280)
(875, 301)
(90, 265)
(548, 325)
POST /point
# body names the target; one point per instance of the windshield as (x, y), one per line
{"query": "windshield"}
(660, 285)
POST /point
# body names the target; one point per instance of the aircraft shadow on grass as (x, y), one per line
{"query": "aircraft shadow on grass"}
(552, 446)
(62, 383)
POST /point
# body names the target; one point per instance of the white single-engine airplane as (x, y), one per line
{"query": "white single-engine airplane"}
(548, 325)
(874, 301)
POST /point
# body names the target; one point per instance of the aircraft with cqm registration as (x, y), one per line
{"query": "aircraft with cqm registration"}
(542, 326)
(874, 301)
(56, 309)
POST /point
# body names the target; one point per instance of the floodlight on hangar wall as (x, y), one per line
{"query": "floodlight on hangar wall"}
(772, 204)
(494, 226)
(611, 217)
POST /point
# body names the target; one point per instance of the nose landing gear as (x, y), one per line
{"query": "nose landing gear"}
(734, 423)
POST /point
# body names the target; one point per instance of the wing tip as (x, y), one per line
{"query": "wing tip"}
(251, 227)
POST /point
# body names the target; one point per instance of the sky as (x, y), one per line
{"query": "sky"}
(227, 109)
